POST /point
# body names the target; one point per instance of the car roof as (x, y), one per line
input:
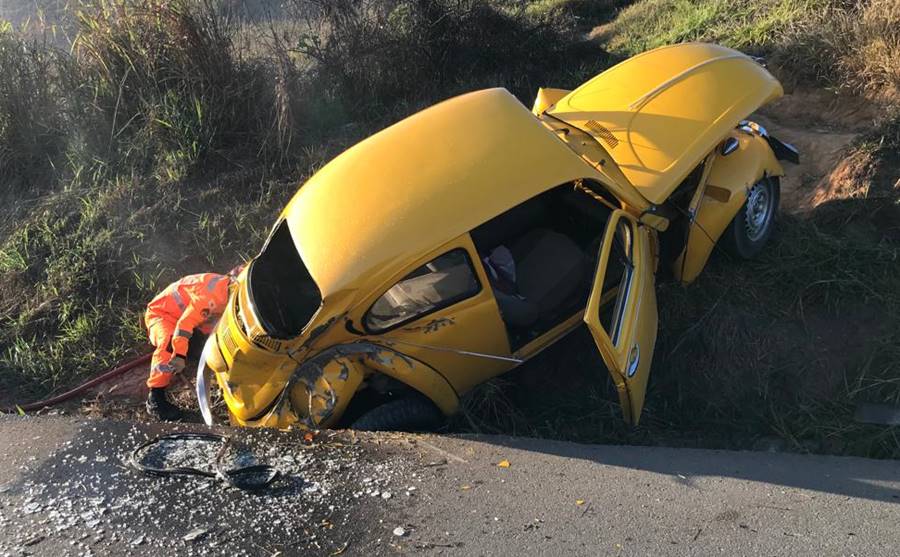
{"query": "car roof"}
(408, 189)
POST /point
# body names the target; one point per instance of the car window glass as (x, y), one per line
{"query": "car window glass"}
(441, 282)
(619, 274)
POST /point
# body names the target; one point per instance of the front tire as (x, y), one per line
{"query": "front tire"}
(752, 227)
(410, 413)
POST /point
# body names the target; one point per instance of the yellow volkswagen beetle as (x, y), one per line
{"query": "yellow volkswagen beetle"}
(460, 242)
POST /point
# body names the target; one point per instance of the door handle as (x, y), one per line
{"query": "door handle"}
(634, 358)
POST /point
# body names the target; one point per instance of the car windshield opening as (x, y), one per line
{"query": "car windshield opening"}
(283, 293)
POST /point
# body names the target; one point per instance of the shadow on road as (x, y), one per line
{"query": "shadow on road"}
(876, 480)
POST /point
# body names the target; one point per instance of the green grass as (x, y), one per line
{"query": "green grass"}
(739, 24)
(845, 45)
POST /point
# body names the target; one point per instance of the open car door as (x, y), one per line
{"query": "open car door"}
(621, 312)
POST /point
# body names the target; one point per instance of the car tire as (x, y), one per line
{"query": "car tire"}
(410, 413)
(752, 227)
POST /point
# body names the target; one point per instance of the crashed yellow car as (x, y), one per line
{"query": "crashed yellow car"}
(460, 242)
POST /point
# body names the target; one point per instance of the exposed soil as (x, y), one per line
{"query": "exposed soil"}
(823, 127)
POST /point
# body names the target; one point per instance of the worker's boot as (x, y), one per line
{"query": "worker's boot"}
(159, 407)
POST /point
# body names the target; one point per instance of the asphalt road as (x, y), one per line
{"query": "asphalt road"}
(66, 489)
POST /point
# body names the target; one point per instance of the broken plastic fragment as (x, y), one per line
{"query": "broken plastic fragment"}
(400, 531)
(194, 534)
(341, 549)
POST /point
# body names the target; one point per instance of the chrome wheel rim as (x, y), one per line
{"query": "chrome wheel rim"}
(759, 210)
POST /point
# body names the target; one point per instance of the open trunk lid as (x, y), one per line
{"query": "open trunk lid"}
(659, 113)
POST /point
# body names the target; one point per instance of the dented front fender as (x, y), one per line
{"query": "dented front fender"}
(318, 392)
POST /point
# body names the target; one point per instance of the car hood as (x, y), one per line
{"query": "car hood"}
(659, 113)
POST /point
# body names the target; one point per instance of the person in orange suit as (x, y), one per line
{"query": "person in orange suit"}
(193, 303)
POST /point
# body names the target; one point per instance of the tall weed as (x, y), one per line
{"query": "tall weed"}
(171, 84)
(373, 54)
(32, 113)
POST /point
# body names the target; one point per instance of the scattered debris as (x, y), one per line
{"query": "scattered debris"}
(432, 545)
(399, 531)
(155, 458)
(195, 534)
(119, 508)
(33, 540)
(341, 549)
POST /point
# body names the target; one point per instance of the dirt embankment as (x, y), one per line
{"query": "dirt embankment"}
(826, 129)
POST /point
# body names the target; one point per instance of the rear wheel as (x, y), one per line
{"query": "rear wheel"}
(752, 227)
(413, 412)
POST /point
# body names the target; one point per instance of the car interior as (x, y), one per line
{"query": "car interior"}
(554, 239)
(439, 283)
(283, 292)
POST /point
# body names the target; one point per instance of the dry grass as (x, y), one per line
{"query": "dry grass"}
(853, 46)
(32, 123)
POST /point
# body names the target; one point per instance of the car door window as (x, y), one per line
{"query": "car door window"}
(618, 280)
(441, 282)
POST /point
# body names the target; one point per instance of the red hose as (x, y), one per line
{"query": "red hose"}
(111, 374)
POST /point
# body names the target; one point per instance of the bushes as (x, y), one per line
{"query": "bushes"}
(178, 87)
(372, 54)
(153, 86)
(170, 83)
(853, 46)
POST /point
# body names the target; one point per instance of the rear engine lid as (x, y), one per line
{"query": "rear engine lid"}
(659, 113)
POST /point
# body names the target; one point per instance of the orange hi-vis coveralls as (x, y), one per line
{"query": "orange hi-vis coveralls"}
(196, 302)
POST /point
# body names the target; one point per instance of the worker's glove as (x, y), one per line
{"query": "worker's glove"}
(177, 364)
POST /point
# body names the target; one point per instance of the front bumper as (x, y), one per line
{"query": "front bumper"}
(204, 376)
